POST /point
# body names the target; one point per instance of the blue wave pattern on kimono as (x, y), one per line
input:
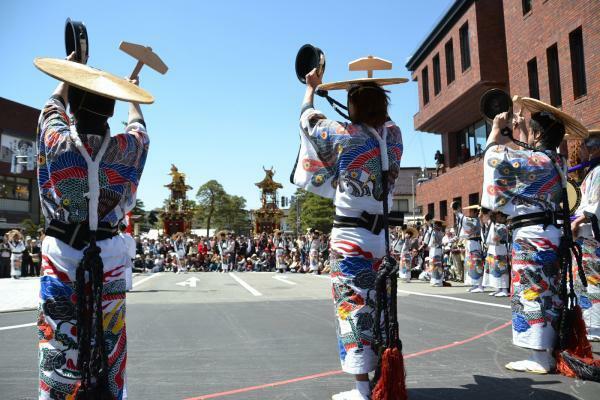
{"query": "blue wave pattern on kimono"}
(62, 172)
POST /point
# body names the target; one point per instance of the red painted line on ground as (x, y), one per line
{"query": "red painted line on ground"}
(338, 372)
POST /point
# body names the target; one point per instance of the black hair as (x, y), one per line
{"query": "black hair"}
(370, 104)
(455, 205)
(551, 128)
(428, 217)
(91, 111)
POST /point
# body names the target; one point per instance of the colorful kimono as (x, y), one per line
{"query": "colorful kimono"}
(496, 272)
(435, 257)
(521, 182)
(343, 162)
(406, 259)
(16, 258)
(313, 255)
(280, 254)
(63, 182)
(589, 299)
(471, 232)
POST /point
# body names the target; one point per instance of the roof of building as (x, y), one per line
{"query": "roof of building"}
(443, 26)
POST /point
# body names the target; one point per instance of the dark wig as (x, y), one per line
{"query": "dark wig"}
(91, 111)
(551, 128)
(370, 104)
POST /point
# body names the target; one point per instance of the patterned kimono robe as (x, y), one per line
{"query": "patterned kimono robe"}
(496, 273)
(435, 256)
(589, 299)
(521, 182)
(16, 258)
(63, 181)
(406, 259)
(343, 162)
(471, 232)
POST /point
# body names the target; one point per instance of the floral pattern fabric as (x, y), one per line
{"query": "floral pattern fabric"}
(496, 272)
(58, 350)
(471, 232)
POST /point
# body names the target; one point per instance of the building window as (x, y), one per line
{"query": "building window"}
(449, 49)
(437, 78)
(577, 63)
(473, 199)
(554, 76)
(425, 85)
(465, 51)
(400, 205)
(443, 209)
(431, 209)
(14, 188)
(526, 6)
(532, 73)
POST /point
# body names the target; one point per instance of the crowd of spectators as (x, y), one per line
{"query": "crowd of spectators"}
(228, 252)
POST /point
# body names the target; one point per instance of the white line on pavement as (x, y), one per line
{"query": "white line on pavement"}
(146, 279)
(5, 328)
(282, 279)
(245, 285)
(455, 299)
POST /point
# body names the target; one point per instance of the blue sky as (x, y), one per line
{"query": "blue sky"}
(229, 104)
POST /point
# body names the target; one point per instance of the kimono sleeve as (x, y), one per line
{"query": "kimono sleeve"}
(53, 127)
(134, 149)
(591, 201)
(321, 141)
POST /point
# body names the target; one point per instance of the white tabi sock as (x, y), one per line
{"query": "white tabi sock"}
(364, 388)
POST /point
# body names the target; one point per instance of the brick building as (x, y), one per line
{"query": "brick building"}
(19, 196)
(546, 49)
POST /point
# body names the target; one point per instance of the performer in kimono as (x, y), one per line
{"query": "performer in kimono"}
(524, 182)
(343, 161)
(178, 243)
(314, 250)
(280, 246)
(436, 268)
(456, 249)
(473, 266)
(88, 181)
(222, 246)
(496, 273)
(17, 248)
(410, 242)
(586, 230)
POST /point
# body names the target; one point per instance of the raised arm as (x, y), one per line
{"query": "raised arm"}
(135, 112)
(313, 80)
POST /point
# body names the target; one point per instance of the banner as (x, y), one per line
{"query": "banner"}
(18, 152)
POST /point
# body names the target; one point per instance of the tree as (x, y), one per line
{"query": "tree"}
(315, 211)
(139, 212)
(230, 213)
(208, 196)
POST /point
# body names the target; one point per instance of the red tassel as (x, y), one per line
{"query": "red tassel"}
(392, 381)
(577, 343)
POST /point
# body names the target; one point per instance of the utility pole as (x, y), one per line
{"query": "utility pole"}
(412, 179)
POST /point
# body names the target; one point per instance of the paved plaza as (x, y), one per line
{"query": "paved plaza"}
(262, 336)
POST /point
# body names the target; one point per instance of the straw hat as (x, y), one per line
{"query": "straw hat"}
(574, 130)
(93, 80)
(368, 64)
(472, 207)
(412, 231)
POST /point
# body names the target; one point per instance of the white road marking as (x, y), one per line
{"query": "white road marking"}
(455, 299)
(322, 276)
(146, 279)
(6, 328)
(282, 279)
(245, 285)
(189, 282)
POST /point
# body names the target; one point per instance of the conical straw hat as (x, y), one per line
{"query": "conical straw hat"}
(93, 80)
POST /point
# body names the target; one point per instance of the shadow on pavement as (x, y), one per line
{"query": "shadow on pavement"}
(493, 388)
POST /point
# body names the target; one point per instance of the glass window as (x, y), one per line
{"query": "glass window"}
(554, 75)
(526, 6)
(425, 85)
(465, 51)
(480, 137)
(14, 188)
(532, 74)
(437, 78)
(449, 62)
(577, 63)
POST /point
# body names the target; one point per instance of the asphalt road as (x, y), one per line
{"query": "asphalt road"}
(210, 336)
